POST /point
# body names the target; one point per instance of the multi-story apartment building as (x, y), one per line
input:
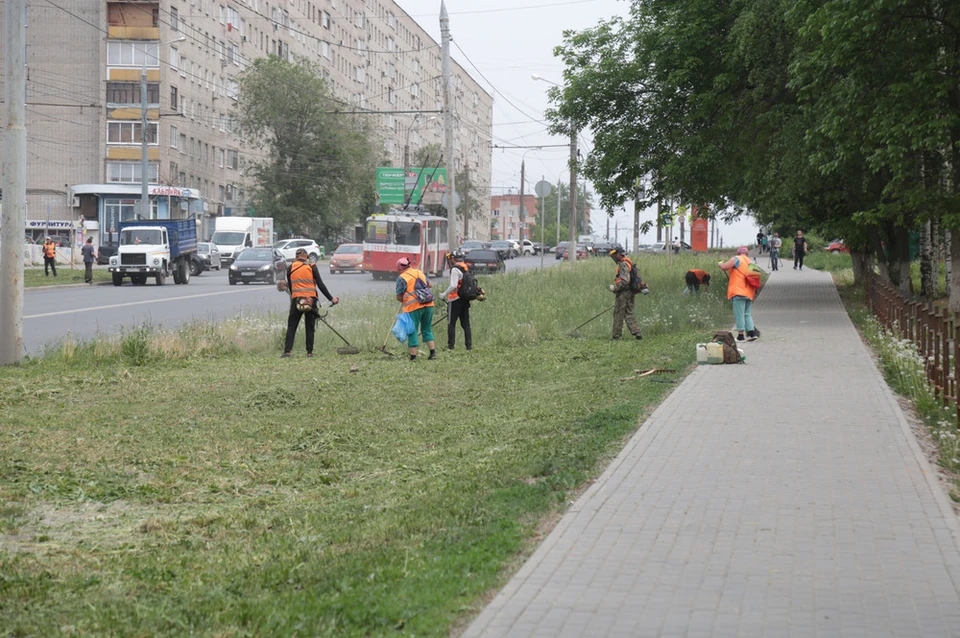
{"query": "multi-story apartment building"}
(506, 222)
(84, 65)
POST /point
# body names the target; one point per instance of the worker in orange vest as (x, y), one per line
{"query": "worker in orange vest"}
(624, 304)
(741, 294)
(413, 291)
(49, 257)
(696, 278)
(303, 281)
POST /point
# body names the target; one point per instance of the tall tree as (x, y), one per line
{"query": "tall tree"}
(316, 170)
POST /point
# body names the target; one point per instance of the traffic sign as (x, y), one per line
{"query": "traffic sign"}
(456, 200)
(543, 188)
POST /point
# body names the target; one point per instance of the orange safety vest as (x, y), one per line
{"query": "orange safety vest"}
(453, 296)
(699, 274)
(301, 280)
(410, 275)
(49, 249)
(737, 286)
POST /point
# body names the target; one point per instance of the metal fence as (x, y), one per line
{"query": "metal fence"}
(934, 331)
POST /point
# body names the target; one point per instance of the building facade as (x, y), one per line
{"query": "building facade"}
(507, 221)
(84, 105)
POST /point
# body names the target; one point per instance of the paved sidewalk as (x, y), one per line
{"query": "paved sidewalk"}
(785, 497)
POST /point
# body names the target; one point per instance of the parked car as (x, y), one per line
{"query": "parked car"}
(836, 247)
(539, 248)
(528, 247)
(209, 255)
(582, 252)
(485, 261)
(347, 257)
(471, 244)
(560, 250)
(517, 250)
(288, 248)
(603, 248)
(504, 247)
(258, 264)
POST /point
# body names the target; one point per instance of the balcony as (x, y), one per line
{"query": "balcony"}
(133, 20)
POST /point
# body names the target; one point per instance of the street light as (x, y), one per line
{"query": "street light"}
(572, 248)
(520, 207)
(145, 131)
(406, 150)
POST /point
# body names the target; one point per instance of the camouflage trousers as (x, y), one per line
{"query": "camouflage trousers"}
(623, 312)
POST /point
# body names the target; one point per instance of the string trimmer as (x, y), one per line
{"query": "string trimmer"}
(348, 349)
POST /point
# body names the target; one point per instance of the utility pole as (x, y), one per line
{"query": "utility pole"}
(558, 214)
(520, 208)
(448, 127)
(572, 247)
(144, 138)
(466, 200)
(13, 184)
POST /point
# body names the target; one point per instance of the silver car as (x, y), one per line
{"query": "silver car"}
(209, 255)
(288, 248)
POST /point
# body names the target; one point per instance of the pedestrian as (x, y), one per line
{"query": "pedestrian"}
(740, 293)
(412, 291)
(764, 246)
(799, 250)
(303, 281)
(457, 308)
(88, 257)
(694, 279)
(775, 244)
(760, 241)
(49, 257)
(624, 304)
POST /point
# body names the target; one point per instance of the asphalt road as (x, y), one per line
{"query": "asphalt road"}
(50, 314)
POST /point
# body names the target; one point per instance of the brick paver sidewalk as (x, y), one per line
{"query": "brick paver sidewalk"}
(785, 497)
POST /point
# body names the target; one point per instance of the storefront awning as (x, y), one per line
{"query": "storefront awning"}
(155, 190)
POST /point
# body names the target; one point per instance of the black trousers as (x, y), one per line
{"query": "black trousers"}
(293, 322)
(459, 309)
(87, 271)
(49, 263)
(798, 258)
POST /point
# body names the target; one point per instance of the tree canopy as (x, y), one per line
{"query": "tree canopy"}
(315, 169)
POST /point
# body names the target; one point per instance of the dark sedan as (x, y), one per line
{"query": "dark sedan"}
(485, 262)
(258, 264)
(503, 247)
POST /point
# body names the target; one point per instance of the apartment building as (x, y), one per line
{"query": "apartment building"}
(84, 64)
(506, 219)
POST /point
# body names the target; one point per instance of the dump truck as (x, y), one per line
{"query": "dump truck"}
(154, 249)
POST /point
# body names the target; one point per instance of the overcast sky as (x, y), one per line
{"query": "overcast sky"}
(501, 43)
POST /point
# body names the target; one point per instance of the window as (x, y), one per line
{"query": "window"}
(325, 20)
(129, 93)
(220, 158)
(122, 210)
(233, 89)
(391, 96)
(232, 159)
(174, 58)
(325, 49)
(391, 20)
(182, 143)
(126, 53)
(415, 90)
(233, 53)
(391, 45)
(174, 20)
(174, 136)
(129, 133)
(360, 20)
(174, 99)
(361, 74)
(129, 172)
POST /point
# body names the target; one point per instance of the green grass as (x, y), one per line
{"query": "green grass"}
(34, 277)
(191, 481)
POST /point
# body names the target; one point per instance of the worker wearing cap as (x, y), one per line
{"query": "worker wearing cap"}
(421, 312)
(49, 257)
(623, 306)
(303, 280)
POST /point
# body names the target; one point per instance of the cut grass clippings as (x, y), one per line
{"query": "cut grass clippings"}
(192, 482)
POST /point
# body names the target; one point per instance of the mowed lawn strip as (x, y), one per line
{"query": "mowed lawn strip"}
(234, 493)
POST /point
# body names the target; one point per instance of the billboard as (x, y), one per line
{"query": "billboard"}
(390, 185)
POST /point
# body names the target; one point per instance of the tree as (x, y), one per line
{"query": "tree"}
(315, 173)
(584, 203)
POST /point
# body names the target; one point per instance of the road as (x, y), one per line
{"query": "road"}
(50, 314)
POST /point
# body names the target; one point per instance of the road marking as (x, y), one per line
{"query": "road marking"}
(134, 303)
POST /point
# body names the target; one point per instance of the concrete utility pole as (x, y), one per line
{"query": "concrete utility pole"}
(636, 214)
(144, 141)
(448, 127)
(572, 248)
(13, 184)
(558, 213)
(466, 200)
(520, 207)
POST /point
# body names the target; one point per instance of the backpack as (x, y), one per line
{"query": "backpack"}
(468, 289)
(636, 284)
(752, 276)
(730, 352)
(421, 291)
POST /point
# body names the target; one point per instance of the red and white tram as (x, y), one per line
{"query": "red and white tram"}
(419, 237)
